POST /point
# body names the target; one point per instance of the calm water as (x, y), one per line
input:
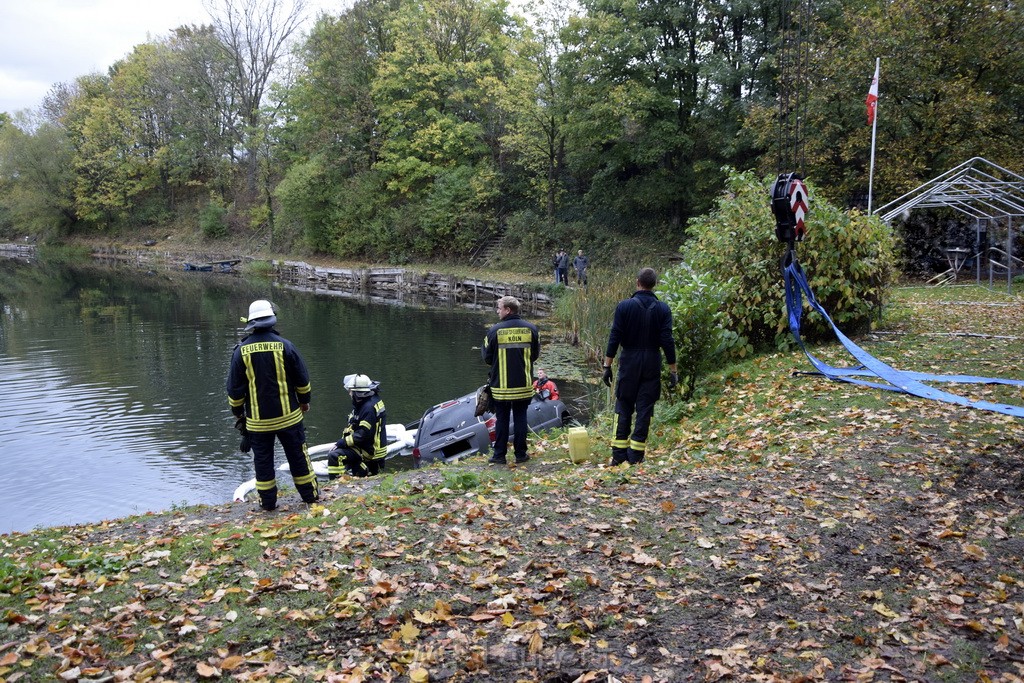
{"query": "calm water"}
(112, 381)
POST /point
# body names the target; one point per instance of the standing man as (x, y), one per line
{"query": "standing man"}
(268, 384)
(580, 263)
(642, 326)
(510, 348)
(563, 267)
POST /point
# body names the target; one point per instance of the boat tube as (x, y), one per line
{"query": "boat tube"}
(400, 441)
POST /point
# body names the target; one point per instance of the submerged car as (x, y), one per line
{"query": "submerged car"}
(446, 432)
(451, 430)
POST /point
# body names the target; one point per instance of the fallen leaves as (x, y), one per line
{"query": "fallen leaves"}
(882, 609)
(409, 632)
(768, 542)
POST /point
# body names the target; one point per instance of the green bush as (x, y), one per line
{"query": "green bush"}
(849, 259)
(213, 219)
(698, 322)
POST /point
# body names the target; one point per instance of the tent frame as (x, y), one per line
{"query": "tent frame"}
(990, 194)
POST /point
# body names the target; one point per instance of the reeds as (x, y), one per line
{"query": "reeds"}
(587, 310)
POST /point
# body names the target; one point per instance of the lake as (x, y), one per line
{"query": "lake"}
(113, 403)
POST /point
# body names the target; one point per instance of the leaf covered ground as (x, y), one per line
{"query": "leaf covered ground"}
(784, 528)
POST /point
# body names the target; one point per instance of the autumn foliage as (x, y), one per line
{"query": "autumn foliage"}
(849, 259)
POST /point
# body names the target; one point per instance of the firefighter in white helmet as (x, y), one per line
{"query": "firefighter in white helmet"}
(363, 446)
(268, 385)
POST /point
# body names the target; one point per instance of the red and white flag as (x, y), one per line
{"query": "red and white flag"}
(872, 100)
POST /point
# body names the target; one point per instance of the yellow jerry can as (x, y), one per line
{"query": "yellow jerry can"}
(579, 445)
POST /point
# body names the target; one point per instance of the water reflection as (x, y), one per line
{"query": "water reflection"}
(113, 381)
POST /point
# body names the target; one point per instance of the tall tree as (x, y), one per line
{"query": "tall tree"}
(537, 102)
(659, 89)
(439, 95)
(198, 82)
(332, 136)
(635, 70)
(255, 35)
(107, 180)
(36, 182)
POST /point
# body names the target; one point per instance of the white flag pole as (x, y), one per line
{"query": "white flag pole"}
(874, 129)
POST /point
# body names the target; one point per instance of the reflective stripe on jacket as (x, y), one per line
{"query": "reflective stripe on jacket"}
(511, 347)
(267, 382)
(368, 429)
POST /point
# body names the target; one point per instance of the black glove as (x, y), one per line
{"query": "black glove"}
(673, 380)
(607, 377)
(243, 445)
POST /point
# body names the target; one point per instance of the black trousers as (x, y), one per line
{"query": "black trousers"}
(353, 462)
(630, 441)
(503, 410)
(293, 441)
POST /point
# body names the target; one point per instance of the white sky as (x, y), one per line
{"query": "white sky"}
(43, 42)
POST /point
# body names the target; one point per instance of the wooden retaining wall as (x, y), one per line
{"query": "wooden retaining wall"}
(383, 285)
(11, 249)
(381, 281)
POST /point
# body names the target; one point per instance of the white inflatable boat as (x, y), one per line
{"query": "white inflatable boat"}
(400, 440)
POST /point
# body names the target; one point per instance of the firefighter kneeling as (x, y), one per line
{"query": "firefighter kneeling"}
(363, 446)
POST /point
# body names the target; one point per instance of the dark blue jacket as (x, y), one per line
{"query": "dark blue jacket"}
(267, 382)
(642, 326)
(511, 347)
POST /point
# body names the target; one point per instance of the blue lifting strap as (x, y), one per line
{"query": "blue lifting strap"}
(896, 380)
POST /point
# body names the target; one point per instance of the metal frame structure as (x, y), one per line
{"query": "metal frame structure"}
(990, 194)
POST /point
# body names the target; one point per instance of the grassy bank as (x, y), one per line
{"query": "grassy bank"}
(784, 528)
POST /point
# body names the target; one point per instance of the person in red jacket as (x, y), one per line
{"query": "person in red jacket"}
(544, 389)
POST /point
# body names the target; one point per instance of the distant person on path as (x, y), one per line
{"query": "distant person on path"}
(580, 263)
(561, 263)
(544, 389)
(511, 347)
(642, 326)
(269, 385)
(363, 447)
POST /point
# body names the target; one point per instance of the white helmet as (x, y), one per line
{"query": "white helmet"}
(360, 385)
(261, 314)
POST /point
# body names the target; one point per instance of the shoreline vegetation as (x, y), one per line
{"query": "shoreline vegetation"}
(385, 282)
(783, 528)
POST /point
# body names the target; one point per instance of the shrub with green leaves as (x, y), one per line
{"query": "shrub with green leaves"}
(849, 259)
(213, 220)
(698, 322)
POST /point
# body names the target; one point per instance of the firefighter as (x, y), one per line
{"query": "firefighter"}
(642, 326)
(363, 446)
(268, 385)
(510, 348)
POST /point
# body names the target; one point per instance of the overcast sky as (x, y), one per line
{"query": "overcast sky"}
(43, 42)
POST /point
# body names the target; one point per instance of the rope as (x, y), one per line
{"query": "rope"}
(870, 367)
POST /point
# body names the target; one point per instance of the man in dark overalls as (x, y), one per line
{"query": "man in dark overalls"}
(642, 326)
(363, 447)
